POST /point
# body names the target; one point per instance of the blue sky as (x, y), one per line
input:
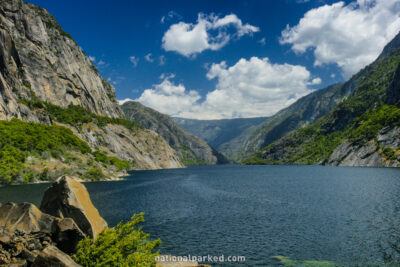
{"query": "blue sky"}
(155, 45)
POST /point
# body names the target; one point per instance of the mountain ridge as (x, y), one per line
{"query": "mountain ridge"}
(190, 148)
(362, 130)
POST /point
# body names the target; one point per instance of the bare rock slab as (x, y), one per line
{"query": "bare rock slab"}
(68, 198)
(52, 256)
(26, 218)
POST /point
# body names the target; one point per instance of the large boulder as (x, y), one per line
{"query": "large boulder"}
(52, 256)
(68, 198)
(26, 218)
(67, 235)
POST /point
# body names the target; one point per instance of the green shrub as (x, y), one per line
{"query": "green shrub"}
(124, 245)
(18, 139)
(94, 174)
(103, 158)
(389, 153)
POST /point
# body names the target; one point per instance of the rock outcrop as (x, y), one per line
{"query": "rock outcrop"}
(371, 153)
(68, 198)
(37, 58)
(190, 148)
(52, 256)
(26, 218)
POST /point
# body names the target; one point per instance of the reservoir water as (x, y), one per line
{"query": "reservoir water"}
(347, 215)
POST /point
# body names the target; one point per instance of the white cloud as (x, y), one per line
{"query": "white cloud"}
(351, 36)
(315, 81)
(249, 88)
(188, 39)
(172, 14)
(92, 58)
(169, 98)
(121, 102)
(162, 60)
(262, 41)
(148, 58)
(134, 60)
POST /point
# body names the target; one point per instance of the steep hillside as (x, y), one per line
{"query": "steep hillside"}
(300, 114)
(45, 78)
(190, 148)
(363, 130)
(218, 132)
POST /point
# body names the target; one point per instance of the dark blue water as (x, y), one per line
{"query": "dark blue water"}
(347, 215)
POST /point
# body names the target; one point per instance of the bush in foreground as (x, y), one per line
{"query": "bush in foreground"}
(124, 245)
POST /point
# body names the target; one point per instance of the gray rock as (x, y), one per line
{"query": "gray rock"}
(38, 58)
(26, 218)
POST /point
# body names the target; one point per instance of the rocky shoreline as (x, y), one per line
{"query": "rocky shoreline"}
(33, 237)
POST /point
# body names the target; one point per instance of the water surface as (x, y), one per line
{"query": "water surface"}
(341, 214)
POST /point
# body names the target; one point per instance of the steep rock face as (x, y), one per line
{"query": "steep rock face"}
(37, 58)
(67, 198)
(190, 148)
(147, 148)
(41, 63)
(370, 154)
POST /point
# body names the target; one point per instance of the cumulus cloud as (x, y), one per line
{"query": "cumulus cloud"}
(210, 32)
(134, 60)
(249, 88)
(350, 36)
(92, 58)
(121, 102)
(169, 98)
(262, 41)
(148, 57)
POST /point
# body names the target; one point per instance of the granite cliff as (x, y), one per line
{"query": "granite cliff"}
(46, 78)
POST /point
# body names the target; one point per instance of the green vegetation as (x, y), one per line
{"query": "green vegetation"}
(94, 174)
(188, 157)
(76, 115)
(106, 160)
(292, 263)
(358, 119)
(124, 245)
(18, 139)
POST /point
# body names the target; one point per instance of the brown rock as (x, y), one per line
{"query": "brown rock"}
(25, 218)
(18, 263)
(4, 238)
(68, 235)
(28, 255)
(52, 256)
(68, 198)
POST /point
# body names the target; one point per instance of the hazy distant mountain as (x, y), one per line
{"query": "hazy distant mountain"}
(218, 132)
